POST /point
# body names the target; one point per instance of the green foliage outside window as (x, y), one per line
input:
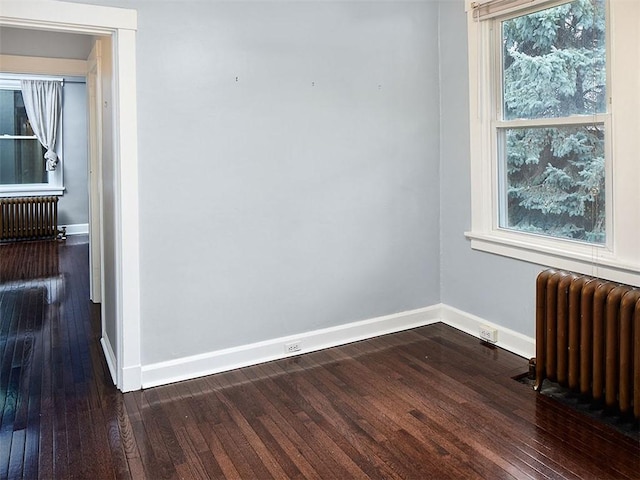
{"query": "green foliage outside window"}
(554, 67)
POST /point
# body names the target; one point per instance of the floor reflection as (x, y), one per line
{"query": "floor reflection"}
(38, 335)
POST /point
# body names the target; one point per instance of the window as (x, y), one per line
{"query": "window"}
(550, 125)
(553, 116)
(22, 163)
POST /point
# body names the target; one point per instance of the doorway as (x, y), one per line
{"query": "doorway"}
(119, 170)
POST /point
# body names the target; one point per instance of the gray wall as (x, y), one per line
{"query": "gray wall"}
(305, 165)
(74, 204)
(303, 195)
(495, 288)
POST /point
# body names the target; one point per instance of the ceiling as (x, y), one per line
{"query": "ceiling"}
(41, 43)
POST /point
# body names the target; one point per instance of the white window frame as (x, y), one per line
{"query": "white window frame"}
(619, 258)
(55, 178)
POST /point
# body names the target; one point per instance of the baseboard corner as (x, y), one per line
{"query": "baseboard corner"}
(508, 339)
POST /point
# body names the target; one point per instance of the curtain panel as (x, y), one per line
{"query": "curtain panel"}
(43, 103)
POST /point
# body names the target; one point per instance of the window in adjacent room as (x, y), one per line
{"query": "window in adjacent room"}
(551, 157)
(22, 164)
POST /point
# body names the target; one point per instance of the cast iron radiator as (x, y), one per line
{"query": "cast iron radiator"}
(28, 218)
(588, 338)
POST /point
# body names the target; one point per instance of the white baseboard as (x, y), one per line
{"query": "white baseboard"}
(131, 376)
(109, 357)
(131, 379)
(77, 229)
(508, 339)
(231, 358)
(186, 368)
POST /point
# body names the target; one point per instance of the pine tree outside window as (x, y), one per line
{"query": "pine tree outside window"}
(554, 116)
(551, 131)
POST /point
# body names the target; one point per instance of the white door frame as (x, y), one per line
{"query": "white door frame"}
(121, 25)
(94, 102)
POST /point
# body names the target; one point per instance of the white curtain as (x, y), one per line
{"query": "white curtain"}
(42, 101)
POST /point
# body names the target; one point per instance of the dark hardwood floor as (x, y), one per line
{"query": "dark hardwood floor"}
(429, 403)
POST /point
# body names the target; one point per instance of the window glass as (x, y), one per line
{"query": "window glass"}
(552, 170)
(555, 181)
(554, 62)
(21, 154)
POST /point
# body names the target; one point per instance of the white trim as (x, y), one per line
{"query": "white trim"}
(76, 229)
(39, 190)
(127, 213)
(94, 167)
(43, 65)
(508, 339)
(131, 379)
(245, 355)
(588, 262)
(569, 121)
(76, 17)
(109, 356)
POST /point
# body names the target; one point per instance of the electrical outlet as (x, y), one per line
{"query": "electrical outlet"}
(292, 347)
(488, 334)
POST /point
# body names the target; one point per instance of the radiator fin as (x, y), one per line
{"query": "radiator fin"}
(28, 218)
(588, 338)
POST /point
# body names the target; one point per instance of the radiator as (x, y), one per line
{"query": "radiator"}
(28, 218)
(588, 338)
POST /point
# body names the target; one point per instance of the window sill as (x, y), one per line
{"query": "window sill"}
(30, 191)
(588, 260)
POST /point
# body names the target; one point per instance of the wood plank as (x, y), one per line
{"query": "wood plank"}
(430, 402)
